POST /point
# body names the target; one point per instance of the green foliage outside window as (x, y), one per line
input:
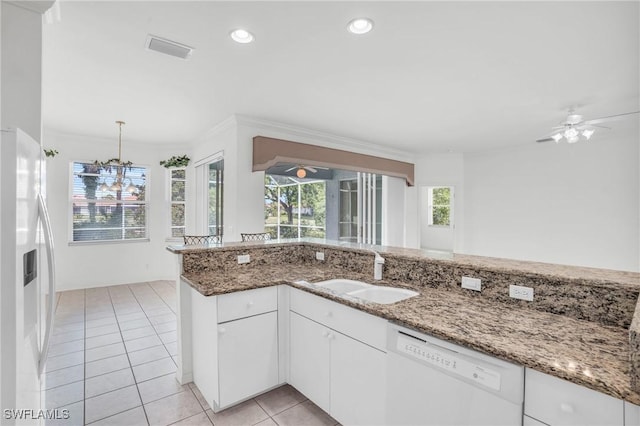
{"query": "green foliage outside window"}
(302, 207)
(441, 209)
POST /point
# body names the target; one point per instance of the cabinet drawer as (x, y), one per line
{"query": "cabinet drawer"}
(247, 303)
(559, 402)
(359, 325)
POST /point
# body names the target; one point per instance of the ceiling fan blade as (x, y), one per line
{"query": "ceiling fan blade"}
(599, 126)
(292, 168)
(610, 118)
(311, 169)
(544, 140)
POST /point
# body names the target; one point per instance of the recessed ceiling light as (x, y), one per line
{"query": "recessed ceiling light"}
(360, 25)
(241, 36)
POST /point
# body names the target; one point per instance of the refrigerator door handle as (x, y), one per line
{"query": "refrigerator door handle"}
(48, 238)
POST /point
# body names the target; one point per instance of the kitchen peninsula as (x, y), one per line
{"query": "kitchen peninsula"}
(580, 327)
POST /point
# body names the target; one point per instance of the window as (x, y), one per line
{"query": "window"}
(102, 210)
(216, 193)
(439, 205)
(294, 208)
(177, 185)
(348, 219)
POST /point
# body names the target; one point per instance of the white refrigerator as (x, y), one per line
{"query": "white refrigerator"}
(27, 285)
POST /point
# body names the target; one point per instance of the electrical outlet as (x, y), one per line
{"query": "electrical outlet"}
(521, 292)
(472, 283)
(244, 258)
(319, 255)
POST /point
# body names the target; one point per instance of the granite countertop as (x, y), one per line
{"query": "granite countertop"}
(583, 352)
(576, 274)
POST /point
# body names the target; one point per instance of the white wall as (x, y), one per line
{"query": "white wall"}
(220, 139)
(94, 265)
(21, 69)
(575, 204)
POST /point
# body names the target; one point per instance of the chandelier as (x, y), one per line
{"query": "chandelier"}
(120, 168)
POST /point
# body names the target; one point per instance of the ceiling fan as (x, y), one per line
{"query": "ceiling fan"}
(575, 127)
(302, 170)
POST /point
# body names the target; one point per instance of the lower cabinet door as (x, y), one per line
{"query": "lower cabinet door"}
(358, 382)
(309, 360)
(556, 402)
(247, 357)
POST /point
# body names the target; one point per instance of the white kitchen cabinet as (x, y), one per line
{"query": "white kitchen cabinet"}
(342, 375)
(235, 345)
(247, 357)
(631, 414)
(358, 382)
(554, 401)
(309, 363)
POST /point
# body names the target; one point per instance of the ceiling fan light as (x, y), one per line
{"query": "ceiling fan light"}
(587, 133)
(573, 139)
(570, 133)
(117, 186)
(104, 187)
(557, 137)
(301, 173)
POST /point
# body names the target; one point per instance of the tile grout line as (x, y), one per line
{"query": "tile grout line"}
(152, 326)
(164, 345)
(159, 338)
(135, 381)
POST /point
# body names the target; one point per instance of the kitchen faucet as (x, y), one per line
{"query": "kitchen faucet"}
(377, 266)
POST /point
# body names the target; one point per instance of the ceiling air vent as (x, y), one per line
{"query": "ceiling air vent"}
(168, 47)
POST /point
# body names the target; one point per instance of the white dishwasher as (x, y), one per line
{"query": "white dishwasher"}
(433, 382)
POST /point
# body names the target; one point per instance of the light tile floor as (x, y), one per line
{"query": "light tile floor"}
(112, 362)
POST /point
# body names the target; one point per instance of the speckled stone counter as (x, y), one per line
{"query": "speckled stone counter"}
(581, 329)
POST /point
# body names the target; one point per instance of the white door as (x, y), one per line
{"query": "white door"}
(358, 382)
(248, 357)
(309, 360)
(437, 228)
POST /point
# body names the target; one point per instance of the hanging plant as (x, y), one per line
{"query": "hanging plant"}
(50, 152)
(112, 162)
(182, 161)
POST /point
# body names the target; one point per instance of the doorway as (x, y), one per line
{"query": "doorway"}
(437, 227)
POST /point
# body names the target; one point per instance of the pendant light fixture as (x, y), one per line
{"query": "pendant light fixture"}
(119, 166)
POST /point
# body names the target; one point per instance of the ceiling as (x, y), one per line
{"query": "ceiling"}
(430, 77)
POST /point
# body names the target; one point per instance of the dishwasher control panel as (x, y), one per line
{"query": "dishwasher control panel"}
(447, 360)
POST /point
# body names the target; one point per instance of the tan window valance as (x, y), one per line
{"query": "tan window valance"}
(267, 152)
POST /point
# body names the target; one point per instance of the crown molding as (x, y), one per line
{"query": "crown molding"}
(223, 126)
(76, 137)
